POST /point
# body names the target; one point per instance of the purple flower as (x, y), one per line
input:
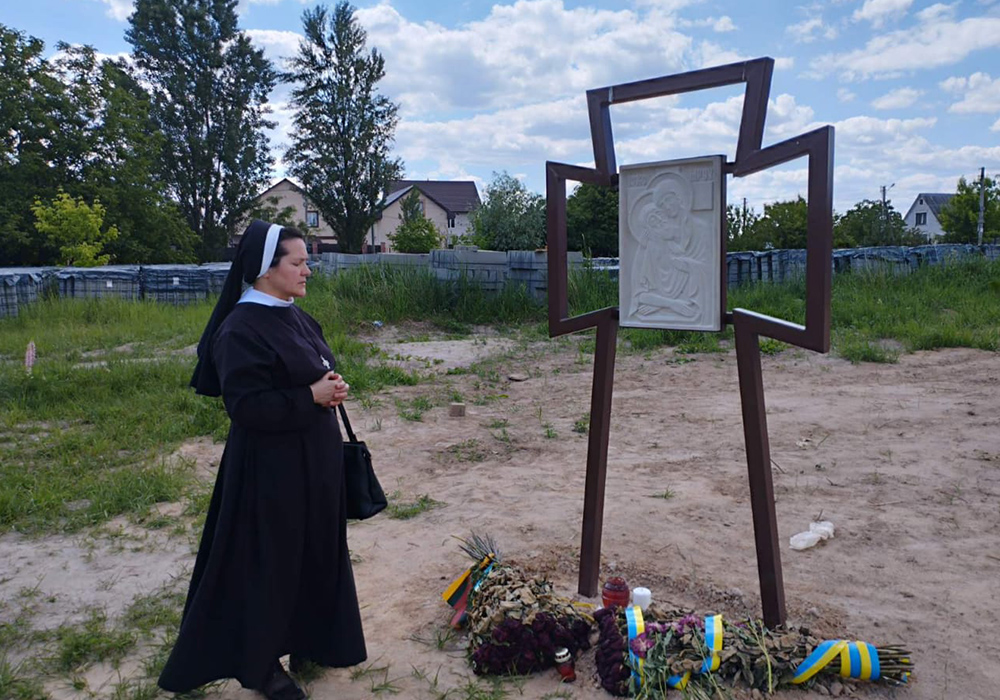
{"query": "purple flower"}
(641, 645)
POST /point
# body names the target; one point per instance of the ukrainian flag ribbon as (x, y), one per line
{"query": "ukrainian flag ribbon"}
(636, 626)
(713, 641)
(857, 660)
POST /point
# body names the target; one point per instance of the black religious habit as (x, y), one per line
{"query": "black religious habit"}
(273, 573)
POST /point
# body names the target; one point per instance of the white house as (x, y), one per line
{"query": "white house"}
(448, 204)
(286, 193)
(925, 214)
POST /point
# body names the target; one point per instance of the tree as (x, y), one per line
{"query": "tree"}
(512, 218)
(343, 128)
(27, 92)
(75, 229)
(868, 223)
(416, 233)
(592, 220)
(270, 210)
(741, 228)
(960, 216)
(783, 225)
(209, 89)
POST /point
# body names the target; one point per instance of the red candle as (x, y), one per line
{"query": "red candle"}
(564, 664)
(615, 592)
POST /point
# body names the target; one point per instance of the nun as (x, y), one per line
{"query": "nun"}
(273, 573)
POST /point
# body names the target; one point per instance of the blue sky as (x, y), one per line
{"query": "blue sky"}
(913, 88)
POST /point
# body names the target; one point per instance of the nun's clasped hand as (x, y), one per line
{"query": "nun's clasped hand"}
(330, 390)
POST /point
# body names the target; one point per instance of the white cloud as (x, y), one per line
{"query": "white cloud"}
(533, 50)
(118, 9)
(978, 92)
(277, 44)
(784, 63)
(937, 12)
(811, 29)
(878, 11)
(724, 24)
(996, 126)
(928, 45)
(845, 95)
(897, 99)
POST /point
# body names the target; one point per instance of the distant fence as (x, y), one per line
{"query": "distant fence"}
(181, 284)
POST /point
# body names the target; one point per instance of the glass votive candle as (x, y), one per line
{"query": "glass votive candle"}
(641, 597)
(565, 666)
(615, 592)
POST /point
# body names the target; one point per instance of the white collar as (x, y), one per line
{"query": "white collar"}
(255, 296)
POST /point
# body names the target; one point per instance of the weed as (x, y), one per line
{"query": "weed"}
(92, 640)
(582, 425)
(469, 451)
(770, 346)
(15, 684)
(550, 432)
(414, 409)
(665, 494)
(404, 510)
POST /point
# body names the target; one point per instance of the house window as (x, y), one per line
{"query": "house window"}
(312, 219)
(922, 219)
(451, 222)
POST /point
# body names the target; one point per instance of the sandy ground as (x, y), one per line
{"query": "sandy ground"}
(904, 459)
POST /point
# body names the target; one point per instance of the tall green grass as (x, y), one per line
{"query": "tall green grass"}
(81, 439)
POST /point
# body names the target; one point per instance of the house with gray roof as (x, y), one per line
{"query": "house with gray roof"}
(448, 204)
(925, 214)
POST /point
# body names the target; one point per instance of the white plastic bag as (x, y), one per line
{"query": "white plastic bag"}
(818, 531)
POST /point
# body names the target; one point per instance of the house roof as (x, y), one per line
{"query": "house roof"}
(934, 201)
(294, 186)
(455, 196)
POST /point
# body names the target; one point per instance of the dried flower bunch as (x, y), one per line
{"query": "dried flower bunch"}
(672, 647)
(516, 622)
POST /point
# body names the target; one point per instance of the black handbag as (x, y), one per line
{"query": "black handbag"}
(365, 496)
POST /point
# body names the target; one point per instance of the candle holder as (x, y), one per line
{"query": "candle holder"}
(615, 592)
(565, 666)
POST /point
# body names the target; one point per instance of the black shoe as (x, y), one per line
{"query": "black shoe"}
(280, 686)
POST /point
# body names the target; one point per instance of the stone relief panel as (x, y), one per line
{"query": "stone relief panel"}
(670, 244)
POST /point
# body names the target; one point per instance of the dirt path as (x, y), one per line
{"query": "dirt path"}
(904, 459)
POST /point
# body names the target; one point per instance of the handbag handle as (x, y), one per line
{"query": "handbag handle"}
(347, 423)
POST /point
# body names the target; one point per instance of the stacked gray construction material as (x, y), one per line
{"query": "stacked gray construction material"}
(942, 253)
(530, 268)
(487, 268)
(20, 286)
(115, 281)
(175, 284)
(740, 268)
(992, 252)
(217, 273)
(891, 259)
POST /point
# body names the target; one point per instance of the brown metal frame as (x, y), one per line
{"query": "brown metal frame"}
(817, 146)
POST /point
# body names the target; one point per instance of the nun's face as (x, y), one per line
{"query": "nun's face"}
(287, 279)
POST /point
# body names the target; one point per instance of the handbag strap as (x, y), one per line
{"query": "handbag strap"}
(347, 423)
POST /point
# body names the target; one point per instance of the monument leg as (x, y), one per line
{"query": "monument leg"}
(597, 455)
(765, 521)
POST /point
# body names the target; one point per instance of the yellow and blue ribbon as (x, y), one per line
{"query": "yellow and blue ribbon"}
(636, 626)
(858, 660)
(713, 642)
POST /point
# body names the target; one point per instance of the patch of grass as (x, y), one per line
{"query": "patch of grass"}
(470, 450)
(856, 348)
(582, 425)
(414, 409)
(405, 510)
(549, 432)
(77, 646)
(16, 684)
(147, 613)
(770, 346)
(665, 494)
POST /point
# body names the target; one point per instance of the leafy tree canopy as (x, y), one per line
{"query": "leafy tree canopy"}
(592, 220)
(75, 229)
(511, 218)
(960, 216)
(209, 88)
(343, 127)
(415, 233)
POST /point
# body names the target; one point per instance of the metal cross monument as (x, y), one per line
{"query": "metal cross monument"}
(672, 234)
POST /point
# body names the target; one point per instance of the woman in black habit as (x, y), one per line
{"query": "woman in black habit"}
(273, 573)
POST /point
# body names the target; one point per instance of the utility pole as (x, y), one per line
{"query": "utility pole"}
(885, 212)
(982, 203)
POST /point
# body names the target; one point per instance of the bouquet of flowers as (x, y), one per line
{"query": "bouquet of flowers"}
(516, 622)
(700, 654)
